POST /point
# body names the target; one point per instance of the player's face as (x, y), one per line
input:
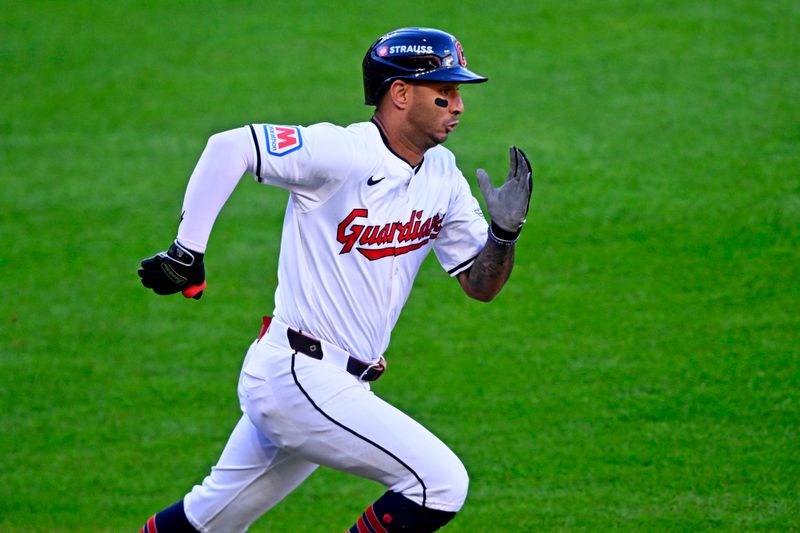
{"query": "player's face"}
(434, 110)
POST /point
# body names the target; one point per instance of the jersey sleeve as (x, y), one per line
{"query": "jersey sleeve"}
(225, 159)
(310, 162)
(463, 235)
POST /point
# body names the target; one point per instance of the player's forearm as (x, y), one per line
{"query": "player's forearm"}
(490, 271)
(223, 162)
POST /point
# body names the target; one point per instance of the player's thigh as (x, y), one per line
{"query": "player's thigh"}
(355, 431)
(251, 476)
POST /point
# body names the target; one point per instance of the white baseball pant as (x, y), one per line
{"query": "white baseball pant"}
(302, 412)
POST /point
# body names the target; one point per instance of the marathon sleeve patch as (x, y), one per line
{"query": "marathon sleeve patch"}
(318, 159)
(282, 140)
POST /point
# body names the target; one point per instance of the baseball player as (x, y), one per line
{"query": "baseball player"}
(366, 204)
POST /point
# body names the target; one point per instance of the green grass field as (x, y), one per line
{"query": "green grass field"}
(639, 372)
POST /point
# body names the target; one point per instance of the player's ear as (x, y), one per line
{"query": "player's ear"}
(400, 92)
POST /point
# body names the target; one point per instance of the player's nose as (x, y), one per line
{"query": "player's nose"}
(456, 105)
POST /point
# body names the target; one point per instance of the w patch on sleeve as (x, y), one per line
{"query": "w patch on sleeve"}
(282, 140)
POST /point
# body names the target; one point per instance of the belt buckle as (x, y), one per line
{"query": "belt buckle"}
(373, 371)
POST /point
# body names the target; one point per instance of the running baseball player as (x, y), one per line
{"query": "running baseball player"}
(366, 204)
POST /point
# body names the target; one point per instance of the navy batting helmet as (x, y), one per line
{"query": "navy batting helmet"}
(414, 54)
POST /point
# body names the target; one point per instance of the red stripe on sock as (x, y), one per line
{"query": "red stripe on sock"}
(151, 525)
(362, 527)
(372, 518)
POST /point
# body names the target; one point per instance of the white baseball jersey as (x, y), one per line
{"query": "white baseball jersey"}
(359, 222)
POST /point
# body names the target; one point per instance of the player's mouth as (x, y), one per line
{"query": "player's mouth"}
(450, 126)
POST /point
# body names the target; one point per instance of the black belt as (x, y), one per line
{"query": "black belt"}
(313, 348)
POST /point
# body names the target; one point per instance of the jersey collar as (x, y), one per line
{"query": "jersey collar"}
(388, 146)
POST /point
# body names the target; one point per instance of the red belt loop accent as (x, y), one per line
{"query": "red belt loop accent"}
(265, 326)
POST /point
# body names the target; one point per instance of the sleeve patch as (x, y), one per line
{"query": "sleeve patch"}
(282, 140)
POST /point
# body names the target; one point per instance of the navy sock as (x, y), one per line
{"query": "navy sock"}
(170, 520)
(393, 513)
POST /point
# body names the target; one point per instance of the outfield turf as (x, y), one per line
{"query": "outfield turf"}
(639, 372)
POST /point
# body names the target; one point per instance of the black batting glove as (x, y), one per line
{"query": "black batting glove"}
(176, 270)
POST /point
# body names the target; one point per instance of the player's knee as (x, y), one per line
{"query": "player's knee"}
(446, 488)
(462, 484)
(459, 485)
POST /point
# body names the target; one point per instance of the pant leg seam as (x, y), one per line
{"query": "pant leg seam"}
(355, 433)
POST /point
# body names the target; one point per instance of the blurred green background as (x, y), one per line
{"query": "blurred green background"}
(639, 372)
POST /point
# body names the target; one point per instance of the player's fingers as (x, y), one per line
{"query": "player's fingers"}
(528, 176)
(147, 278)
(163, 290)
(524, 157)
(484, 182)
(152, 280)
(524, 174)
(151, 276)
(525, 164)
(512, 163)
